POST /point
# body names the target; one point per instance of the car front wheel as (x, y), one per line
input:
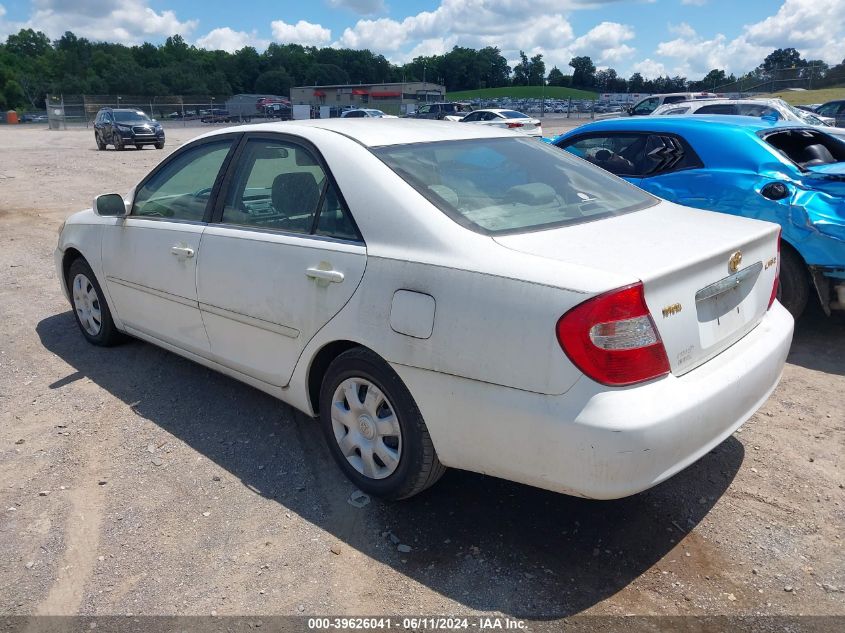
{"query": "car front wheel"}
(117, 141)
(101, 145)
(89, 307)
(373, 428)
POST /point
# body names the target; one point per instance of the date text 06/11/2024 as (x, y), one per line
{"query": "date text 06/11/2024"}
(416, 623)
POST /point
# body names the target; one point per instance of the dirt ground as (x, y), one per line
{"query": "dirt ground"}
(135, 482)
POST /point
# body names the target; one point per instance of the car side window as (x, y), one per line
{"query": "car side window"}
(675, 99)
(717, 108)
(473, 116)
(646, 107)
(829, 110)
(280, 185)
(182, 188)
(424, 109)
(616, 153)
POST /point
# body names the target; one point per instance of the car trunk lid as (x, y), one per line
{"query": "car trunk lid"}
(702, 296)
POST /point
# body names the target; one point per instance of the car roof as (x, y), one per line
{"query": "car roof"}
(685, 123)
(378, 132)
(708, 102)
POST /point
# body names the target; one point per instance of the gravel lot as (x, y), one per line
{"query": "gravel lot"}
(133, 481)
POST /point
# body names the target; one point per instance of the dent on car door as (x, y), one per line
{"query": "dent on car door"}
(149, 257)
(283, 259)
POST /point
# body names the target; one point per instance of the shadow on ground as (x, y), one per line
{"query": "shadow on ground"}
(486, 543)
(819, 341)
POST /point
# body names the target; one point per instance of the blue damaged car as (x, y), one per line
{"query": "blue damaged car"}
(785, 173)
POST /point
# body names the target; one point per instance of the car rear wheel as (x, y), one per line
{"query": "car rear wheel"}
(139, 146)
(89, 306)
(794, 286)
(373, 428)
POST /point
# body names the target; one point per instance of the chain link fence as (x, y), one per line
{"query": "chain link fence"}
(69, 111)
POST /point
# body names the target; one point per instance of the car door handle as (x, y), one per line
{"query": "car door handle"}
(182, 251)
(332, 276)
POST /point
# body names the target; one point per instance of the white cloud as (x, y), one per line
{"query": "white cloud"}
(649, 68)
(605, 43)
(363, 7)
(305, 33)
(810, 26)
(226, 39)
(123, 21)
(510, 25)
(695, 3)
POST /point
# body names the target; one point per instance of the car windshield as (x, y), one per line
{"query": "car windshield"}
(513, 114)
(511, 185)
(131, 117)
(375, 113)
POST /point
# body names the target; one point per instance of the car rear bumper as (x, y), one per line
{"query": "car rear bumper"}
(600, 442)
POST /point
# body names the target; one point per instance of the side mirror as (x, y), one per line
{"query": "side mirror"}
(110, 205)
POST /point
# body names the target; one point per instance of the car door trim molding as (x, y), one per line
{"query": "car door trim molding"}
(261, 324)
(191, 303)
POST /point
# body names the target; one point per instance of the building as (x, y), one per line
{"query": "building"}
(392, 98)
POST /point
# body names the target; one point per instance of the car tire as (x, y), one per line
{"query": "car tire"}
(380, 442)
(160, 145)
(89, 305)
(100, 144)
(139, 146)
(117, 141)
(794, 286)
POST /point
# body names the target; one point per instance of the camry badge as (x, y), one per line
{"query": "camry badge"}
(734, 261)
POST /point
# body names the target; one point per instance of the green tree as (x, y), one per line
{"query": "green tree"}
(274, 82)
(583, 72)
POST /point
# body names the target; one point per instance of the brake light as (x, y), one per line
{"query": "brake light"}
(612, 338)
(512, 125)
(777, 276)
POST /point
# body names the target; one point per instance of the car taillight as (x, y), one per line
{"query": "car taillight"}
(612, 338)
(777, 276)
(511, 125)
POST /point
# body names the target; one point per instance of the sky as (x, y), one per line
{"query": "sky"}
(653, 37)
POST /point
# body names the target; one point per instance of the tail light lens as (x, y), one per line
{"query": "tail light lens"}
(777, 276)
(612, 338)
(513, 125)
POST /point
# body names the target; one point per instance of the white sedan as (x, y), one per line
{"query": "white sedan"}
(505, 119)
(443, 295)
(364, 113)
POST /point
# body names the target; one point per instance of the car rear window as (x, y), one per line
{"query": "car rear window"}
(807, 148)
(511, 185)
(513, 114)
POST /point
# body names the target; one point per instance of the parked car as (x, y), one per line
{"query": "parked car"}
(440, 111)
(216, 115)
(648, 105)
(781, 172)
(33, 117)
(747, 107)
(835, 110)
(371, 113)
(506, 119)
(443, 295)
(124, 126)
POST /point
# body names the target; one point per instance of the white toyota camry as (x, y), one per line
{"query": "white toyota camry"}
(443, 295)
